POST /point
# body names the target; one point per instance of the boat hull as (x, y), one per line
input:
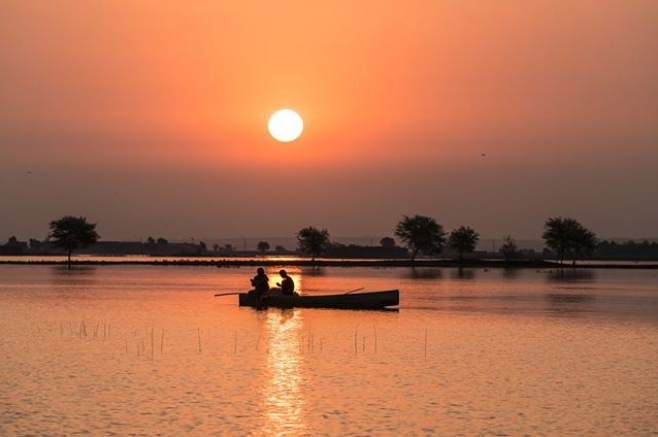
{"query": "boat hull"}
(354, 301)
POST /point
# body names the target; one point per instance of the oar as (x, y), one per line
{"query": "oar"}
(226, 294)
(358, 289)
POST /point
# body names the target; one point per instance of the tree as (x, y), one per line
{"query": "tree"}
(463, 240)
(313, 241)
(583, 244)
(280, 249)
(70, 233)
(12, 241)
(387, 242)
(202, 247)
(162, 241)
(568, 238)
(421, 234)
(263, 246)
(228, 247)
(35, 245)
(509, 249)
(215, 247)
(150, 241)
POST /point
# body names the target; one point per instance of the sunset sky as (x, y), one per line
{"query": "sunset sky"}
(150, 116)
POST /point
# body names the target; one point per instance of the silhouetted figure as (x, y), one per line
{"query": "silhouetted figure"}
(287, 284)
(260, 282)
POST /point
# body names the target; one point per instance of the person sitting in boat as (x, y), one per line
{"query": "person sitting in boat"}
(287, 284)
(260, 282)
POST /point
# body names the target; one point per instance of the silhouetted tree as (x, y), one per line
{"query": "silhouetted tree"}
(280, 249)
(162, 241)
(627, 249)
(313, 241)
(463, 240)
(421, 234)
(12, 241)
(228, 247)
(215, 247)
(509, 249)
(263, 246)
(70, 233)
(387, 242)
(568, 238)
(150, 241)
(35, 245)
(584, 243)
(202, 247)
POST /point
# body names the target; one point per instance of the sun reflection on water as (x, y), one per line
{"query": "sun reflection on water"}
(284, 403)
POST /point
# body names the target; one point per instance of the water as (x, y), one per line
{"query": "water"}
(148, 350)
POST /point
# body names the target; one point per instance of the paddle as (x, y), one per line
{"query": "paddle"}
(358, 289)
(226, 294)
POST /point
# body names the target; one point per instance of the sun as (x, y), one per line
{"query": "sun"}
(285, 125)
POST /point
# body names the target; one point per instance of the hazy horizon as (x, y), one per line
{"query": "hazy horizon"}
(150, 118)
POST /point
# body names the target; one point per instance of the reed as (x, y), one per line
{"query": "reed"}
(425, 342)
(198, 331)
(84, 329)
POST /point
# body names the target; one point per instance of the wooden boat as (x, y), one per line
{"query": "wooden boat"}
(354, 301)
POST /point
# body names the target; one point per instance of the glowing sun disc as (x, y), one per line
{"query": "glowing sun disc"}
(285, 125)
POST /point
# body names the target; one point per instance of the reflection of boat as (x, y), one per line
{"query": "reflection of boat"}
(354, 301)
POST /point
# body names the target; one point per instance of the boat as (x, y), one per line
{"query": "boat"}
(354, 301)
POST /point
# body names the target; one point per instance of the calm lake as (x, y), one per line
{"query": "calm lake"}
(147, 350)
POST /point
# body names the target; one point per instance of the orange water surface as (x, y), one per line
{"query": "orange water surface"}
(148, 350)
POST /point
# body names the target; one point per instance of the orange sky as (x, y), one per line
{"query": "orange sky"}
(137, 110)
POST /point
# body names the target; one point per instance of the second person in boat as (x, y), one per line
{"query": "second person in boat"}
(287, 284)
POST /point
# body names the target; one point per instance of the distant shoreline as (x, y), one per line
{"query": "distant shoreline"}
(228, 263)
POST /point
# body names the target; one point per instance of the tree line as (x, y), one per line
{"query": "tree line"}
(567, 239)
